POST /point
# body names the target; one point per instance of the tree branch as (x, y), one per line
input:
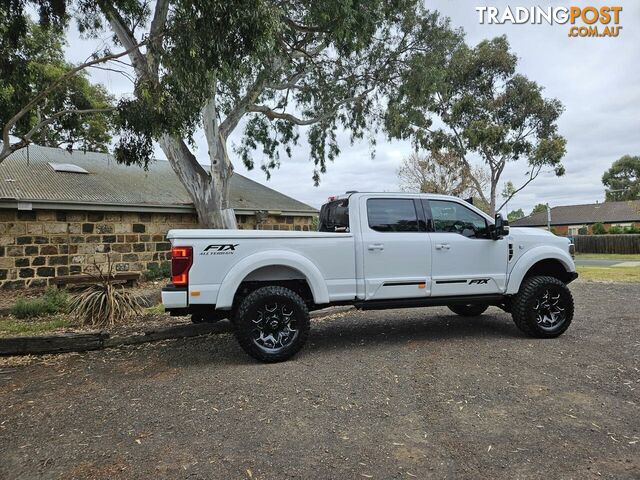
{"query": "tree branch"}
(291, 82)
(126, 38)
(475, 181)
(532, 177)
(303, 28)
(157, 24)
(6, 142)
(271, 114)
(8, 149)
(252, 94)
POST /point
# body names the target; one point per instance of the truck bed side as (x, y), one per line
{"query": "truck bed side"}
(224, 259)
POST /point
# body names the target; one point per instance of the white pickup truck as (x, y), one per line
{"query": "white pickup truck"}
(373, 250)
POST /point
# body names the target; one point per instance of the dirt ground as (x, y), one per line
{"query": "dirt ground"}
(396, 394)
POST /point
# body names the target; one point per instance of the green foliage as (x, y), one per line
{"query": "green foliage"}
(539, 208)
(514, 215)
(622, 180)
(157, 309)
(30, 63)
(632, 229)
(10, 327)
(157, 271)
(471, 101)
(51, 302)
(583, 231)
(598, 229)
(615, 230)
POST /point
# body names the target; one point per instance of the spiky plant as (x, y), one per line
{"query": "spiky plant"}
(104, 302)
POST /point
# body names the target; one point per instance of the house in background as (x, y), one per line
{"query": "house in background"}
(61, 211)
(570, 219)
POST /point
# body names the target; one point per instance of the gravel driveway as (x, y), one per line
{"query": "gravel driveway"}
(396, 394)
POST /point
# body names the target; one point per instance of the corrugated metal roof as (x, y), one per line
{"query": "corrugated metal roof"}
(26, 176)
(606, 212)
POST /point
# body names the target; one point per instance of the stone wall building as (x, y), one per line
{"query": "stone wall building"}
(61, 211)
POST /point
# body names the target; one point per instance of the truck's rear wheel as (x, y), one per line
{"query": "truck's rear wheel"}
(272, 323)
(543, 307)
(469, 310)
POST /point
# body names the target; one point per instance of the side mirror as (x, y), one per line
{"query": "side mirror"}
(500, 228)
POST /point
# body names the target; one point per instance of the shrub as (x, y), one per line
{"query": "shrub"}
(158, 271)
(583, 231)
(51, 302)
(104, 303)
(615, 230)
(598, 229)
(631, 229)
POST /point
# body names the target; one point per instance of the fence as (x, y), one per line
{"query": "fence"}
(629, 243)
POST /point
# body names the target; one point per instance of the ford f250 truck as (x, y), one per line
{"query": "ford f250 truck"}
(374, 251)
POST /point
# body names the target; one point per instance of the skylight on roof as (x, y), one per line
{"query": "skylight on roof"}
(67, 167)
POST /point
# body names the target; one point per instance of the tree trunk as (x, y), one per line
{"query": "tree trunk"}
(492, 197)
(209, 194)
(221, 169)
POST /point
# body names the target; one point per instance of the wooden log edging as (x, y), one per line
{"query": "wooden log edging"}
(98, 340)
(60, 343)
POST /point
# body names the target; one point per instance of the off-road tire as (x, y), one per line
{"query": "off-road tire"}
(248, 310)
(523, 306)
(468, 310)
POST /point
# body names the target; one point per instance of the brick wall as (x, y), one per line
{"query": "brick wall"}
(38, 245)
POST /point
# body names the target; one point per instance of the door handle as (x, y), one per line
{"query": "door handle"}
(375, 246)
(442, 246)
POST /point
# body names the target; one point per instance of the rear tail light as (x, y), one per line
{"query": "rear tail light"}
(181, 261)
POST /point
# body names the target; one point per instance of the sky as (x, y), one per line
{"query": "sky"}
(597, 80)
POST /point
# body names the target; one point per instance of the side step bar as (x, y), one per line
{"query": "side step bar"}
(492, 299)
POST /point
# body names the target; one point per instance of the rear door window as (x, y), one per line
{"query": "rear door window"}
(392, 215)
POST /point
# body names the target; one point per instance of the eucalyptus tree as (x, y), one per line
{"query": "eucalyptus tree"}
(472, 102)
(265, 71)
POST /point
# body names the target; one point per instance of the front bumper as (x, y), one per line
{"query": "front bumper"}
(174, 298)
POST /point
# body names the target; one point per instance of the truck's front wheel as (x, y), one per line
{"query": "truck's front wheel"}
(543, 307)
(272, 323)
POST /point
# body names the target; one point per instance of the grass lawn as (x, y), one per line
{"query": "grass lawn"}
(607, 256)
(11, 327)
(609, 274)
